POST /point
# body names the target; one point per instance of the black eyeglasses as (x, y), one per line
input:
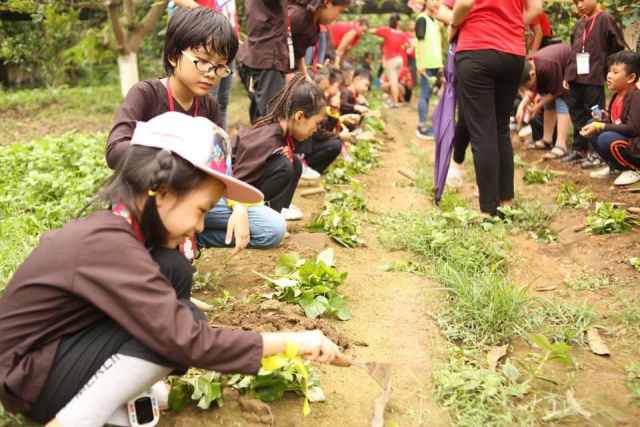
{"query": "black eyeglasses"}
(205, 66)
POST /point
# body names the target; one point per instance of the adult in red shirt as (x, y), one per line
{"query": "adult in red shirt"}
(394, 52)
(345, 36)
(542, 33)
(489, 61)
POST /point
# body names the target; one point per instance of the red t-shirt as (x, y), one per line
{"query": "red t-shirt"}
(496, 25)
(411, 51)
(393, 42)
(544, 24)
(339, 29)
(227, 8)
(616, 109)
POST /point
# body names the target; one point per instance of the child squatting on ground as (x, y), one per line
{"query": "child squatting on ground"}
(197, 47)
(616, 135)
(90, 320)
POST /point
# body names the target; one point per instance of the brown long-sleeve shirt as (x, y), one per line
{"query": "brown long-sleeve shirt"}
(630, 118)
(252, 147)
(91, 268)
(605, 40)
(266, 44)
(303, 30)
(550, 63)
(146, 100)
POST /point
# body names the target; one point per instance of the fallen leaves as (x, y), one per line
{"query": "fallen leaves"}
(596, 344)
(494, 356)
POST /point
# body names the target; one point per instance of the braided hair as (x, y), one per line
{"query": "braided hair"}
(145, 169)
(298, 95)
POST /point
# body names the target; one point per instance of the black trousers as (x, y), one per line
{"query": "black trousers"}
(537, 129)
(279, 181)
(581, 98)
(461, 137)
(80, 355)
(266, 85)
(323, 153)
(488, 82)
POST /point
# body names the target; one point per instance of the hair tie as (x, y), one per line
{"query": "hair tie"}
(152, 193)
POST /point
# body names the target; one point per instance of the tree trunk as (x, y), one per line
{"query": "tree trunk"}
(631, 36)
(128, 68)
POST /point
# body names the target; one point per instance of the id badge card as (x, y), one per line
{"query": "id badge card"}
(582, 62)
(292, 57)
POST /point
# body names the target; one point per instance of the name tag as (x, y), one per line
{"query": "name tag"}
(292, 57)
(582, 61)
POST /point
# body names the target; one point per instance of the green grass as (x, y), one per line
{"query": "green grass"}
(45, 184)
(90, 100)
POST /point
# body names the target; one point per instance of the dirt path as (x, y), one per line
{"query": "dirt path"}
(391, 320)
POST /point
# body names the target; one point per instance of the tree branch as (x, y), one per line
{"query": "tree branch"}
(116, 26)
(146, 24)
(129, 13)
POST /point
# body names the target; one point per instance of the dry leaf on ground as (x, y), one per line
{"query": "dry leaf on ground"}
(546, 288)
(570, 395)
(596, 344)
(494, 356)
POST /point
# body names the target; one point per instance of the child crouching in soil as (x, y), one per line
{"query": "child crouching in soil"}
(91, 319)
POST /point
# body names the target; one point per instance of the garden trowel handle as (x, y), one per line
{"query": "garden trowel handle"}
(342, 360)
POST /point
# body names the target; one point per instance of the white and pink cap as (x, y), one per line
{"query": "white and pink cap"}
(201, 143)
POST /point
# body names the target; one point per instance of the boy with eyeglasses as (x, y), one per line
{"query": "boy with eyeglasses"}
(199, 43)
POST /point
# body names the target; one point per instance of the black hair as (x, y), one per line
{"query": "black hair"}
(362, 73)
(394, 20)
(335, 75)
(368, 55)
(331, 56)
(298, 95)
(321, 75)
(630, 60)
(199, 27)
(364, 22)
(143, 169)
(314, 5)
(528, 66)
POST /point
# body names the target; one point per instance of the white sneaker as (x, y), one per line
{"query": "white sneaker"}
(605, 173)
(627, 178)
(309, 173)
(525, 132)
(291, 213)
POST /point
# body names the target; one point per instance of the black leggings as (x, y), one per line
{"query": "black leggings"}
(323, 153)
(488, 82)
(81, 354)
(279, 181)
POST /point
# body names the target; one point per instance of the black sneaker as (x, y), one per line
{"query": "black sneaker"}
(592, 161)
(575, 156)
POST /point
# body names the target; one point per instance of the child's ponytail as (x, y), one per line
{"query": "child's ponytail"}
(298, 95)
(144, 170)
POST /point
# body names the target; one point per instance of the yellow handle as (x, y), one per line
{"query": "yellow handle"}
(342, 361)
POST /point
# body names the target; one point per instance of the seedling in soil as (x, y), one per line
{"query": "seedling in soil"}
(310, 283)
(339, 224)
(589, 282)
(537, 176)
(517, 162)
(353, 199)
(606, 219)
(568, 195)
(635, 263)
(633, 382)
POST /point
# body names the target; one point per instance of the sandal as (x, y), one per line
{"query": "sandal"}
(555, 155)
(536, 146)
(454, 178)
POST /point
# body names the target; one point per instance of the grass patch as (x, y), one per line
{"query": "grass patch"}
(567, 323)
(90, 100)
(633, 382)
(589, 282)
(45, 184)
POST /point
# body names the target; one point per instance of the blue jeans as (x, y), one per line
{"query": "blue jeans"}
(266, 227)
(613, 147)
(322, 50)
(558, 104)
(423, 101)
(222, 93)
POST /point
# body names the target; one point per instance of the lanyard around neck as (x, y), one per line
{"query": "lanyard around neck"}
(585, 34)
(170, 94)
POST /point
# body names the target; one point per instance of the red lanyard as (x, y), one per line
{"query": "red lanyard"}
(292, 148)
(585, 34)
(171, 106)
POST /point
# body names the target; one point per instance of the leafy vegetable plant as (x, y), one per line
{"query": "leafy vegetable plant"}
(537, 176)
(339, 224)
(310, 283)
(568, 195)
(607, 220)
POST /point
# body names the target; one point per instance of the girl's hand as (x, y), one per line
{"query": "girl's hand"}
(238, 227)
(520, 113)
(314, 346)
(589, 130)
(565, 85)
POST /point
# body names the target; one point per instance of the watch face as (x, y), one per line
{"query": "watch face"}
(144, 410)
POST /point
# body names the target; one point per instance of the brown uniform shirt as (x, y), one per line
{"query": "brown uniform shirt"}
(605, 40)
(630, 117)
(303, 30)
(146, 100)
(91, 268)
(266, 44)
(550, 64)
(347, 101)
(251, 148)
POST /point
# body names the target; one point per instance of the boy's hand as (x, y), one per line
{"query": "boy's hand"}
(565, 84)
(605, 117)
(589, 130)
(350, 119)
(314, 346)
(520, 113)
(238, 227)
(347, 137)
(535, 111)
(361, 109)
